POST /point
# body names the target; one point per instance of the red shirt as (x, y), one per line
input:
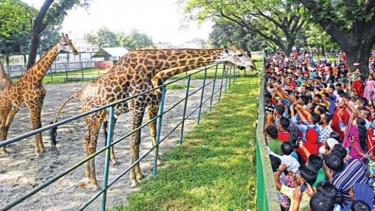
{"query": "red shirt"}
(370, 139)
(283, 136)
(335, 122)
(358, 86)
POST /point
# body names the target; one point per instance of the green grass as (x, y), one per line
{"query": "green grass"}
(214, 169)
(73, 76)
(177, 86)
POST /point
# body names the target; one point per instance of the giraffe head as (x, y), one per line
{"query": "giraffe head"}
(243, 60)
(249, 62)
(232, 56)
(65, 44)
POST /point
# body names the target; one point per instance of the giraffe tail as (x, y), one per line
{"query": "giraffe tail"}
(53, 130)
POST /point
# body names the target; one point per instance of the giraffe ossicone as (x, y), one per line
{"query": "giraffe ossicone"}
(136, 72)
(29, 92)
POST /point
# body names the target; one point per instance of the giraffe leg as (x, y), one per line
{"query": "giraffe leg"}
(93, 123)
(153, 109)
(112, 150)
(35, 113)
(3, 132)
(93, 180)
(138, 110)
(5, 124)
(85, 141)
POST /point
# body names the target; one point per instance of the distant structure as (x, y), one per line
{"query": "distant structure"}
(83, 46)
(195, 43)
(163, 45)
(110, 55)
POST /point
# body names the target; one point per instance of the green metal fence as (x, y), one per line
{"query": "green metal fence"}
(217, 89)
(267, 198)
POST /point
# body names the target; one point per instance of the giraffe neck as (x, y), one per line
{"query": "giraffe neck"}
(39, 69)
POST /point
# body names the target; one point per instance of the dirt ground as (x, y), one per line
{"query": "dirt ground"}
(21, 171)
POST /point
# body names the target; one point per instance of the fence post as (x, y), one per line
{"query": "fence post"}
(158, 130)
(201, 101)
(222, 81)
(80, 60)
(230, 77)
(213, 87)
(51, 73)
(184, 111)
(107, 155)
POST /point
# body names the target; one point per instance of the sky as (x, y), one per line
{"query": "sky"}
(159, 19)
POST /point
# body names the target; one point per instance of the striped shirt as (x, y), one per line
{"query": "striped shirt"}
(353, 172)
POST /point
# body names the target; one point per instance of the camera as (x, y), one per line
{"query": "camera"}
(303, 186)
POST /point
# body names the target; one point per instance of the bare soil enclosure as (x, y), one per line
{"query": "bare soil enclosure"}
(21, 171)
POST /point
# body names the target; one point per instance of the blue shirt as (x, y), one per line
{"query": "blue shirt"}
(332, 102)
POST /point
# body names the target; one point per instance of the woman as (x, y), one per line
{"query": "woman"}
(369, 88)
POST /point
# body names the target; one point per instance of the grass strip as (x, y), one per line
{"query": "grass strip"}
(215, 168)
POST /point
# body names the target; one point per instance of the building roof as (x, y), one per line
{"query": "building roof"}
(105, 52)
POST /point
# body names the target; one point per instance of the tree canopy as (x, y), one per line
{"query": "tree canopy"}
(225, 33)
(133, 40)
(350, 23)
(277, 21)
(15, 25)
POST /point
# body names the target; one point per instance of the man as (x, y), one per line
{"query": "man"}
(324, 127)
(272, 141)
(306, 177)
(344, 175)
(340, 119)
(282, 127)
(332, 99)
(269, 107)
(286, 157)
(310, 133)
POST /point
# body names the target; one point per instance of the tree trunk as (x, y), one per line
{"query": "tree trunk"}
(33, 49)
(323, 51)
(359, 55)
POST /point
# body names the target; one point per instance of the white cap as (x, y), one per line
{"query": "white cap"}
(332, 142)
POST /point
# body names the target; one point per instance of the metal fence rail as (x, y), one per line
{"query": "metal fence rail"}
(267, 198)
(225, 79)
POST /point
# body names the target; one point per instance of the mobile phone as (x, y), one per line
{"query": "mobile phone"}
(303, 186)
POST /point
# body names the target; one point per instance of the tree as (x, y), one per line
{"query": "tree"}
(277, 21)
(50, 14)
(350, 23)
(319, 39)
(135, 40)
(224, 33)
(103, 37)
(15, 26)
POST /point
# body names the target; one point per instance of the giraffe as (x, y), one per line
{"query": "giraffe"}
(250, 65)
(136, 72)
(29, 92)
(5, 80)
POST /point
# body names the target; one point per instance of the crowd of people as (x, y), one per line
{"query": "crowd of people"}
(320, 132)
